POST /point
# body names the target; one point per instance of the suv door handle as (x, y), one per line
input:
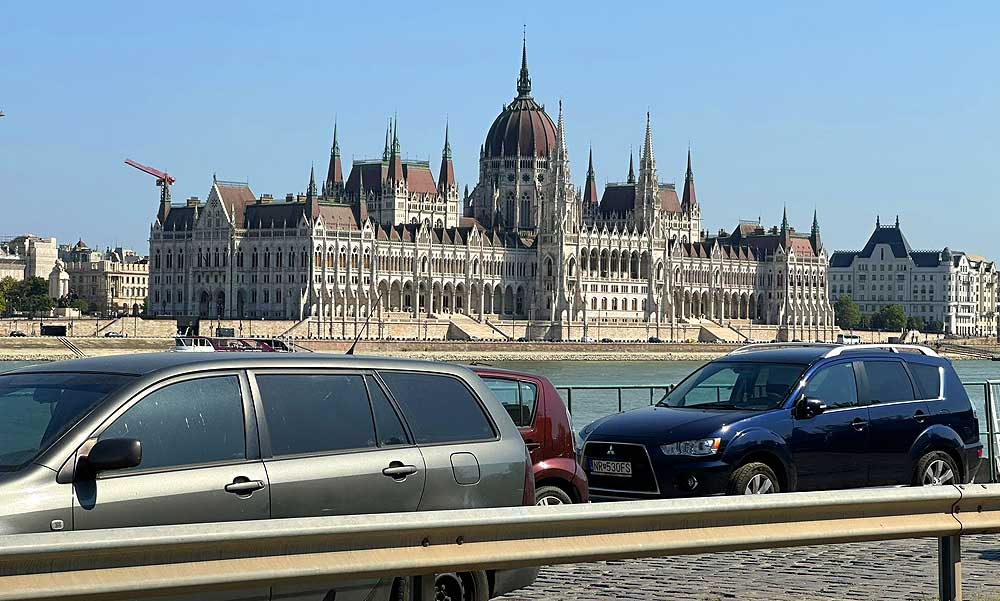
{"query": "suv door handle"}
(920, 416)
(244, 486)
(858, 424)
(398, 471)
(532, 445)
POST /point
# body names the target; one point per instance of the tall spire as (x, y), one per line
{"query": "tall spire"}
(395, 164)
(814, 237)
(446, 177)
(334, 172)
(646, 161)
(523, 80)
(385, 151)
(784, 221)
(815, 227)
(311, 190)
(561, 151)
(688, 199)
(631, 168)
(590, 188)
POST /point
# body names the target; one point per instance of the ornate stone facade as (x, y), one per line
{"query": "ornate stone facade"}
(114, 282)
(391, 240)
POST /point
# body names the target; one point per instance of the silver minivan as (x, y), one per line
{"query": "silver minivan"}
(172, 438)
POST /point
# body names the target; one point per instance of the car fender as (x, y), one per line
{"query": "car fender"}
(565, 469)
(939, 436)
(760, 440)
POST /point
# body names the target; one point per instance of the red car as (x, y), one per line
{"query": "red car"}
(540, 414)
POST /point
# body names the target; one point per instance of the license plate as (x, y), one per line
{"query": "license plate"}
(611, 468)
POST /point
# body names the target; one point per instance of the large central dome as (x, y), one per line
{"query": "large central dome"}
(523, 128)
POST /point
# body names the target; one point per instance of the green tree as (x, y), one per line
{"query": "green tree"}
(80, 305)
(915, 323)
(847, 313)
(892, 318)
(7, 284)
(30, 295)
(934, 327)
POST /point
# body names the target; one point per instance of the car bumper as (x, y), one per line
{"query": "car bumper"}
(673, 480)
(977, 469)
(508, 581)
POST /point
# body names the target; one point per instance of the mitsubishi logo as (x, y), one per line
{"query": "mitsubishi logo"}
(611, 450)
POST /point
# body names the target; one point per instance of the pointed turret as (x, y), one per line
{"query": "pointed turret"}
(784, 222)
(590, 188)
(814, 237)
(446, 178)
(631, 168)
(524, 80)
(361, 208)
(688, 199)
(311, 205)
(385, 150)
(334, 172)
(647, 161)
(395, 163)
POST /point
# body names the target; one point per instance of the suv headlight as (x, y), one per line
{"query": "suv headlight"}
(694, 448)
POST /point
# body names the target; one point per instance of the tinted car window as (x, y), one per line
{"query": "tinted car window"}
(190, 422)
(316, 413)
(390, 429)
(928, 379)
(835, 385)
(888, 382)
(736, 385)
(529, 397)
(438, 408)
(39, 408)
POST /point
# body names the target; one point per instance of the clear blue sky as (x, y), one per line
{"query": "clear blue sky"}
(853, 108)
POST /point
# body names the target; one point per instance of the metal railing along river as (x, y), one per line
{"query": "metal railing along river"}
(194, 559)
(982, 394)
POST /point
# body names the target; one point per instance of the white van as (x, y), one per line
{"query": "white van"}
(848, 339)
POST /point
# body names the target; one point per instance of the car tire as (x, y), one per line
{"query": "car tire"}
(552, 495)
(936, 468)
(753, 479)
(462, 586)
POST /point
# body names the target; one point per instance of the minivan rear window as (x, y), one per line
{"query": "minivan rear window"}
(928, 379)
(439, 409)
(38, 408)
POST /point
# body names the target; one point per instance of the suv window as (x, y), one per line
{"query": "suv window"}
(928, 380)
(834, 385)
(316, 413)
(888, 382)
(390, 429)
(517, 397)
(187, 423)
(747, 385)
(438, 408)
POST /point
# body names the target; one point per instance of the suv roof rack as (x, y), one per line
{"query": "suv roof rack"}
(835, 350)
(766, 346)
(892, 348)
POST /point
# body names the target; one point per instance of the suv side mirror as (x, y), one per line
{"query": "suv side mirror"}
(810, 407)
(112, 454)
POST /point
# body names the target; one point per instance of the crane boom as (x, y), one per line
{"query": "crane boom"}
(160, 176)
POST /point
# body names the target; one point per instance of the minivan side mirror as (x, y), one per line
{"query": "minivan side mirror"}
(111, 454)
(808, 408)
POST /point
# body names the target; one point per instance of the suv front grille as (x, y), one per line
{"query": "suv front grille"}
(642, 480)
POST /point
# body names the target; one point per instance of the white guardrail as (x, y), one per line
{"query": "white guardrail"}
(189, 559)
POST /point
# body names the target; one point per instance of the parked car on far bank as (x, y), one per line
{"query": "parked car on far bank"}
(774, 418)
(539, 413)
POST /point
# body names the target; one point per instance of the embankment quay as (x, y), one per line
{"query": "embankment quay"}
(45, 348)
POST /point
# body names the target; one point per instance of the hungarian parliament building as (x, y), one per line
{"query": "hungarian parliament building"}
(393, 241)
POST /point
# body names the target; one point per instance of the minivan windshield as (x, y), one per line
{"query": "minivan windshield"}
(37, 408)
(744, 386)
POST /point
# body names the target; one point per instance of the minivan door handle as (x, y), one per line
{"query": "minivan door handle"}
(920, 416)
(533, 445)
(398, 471)
(858, 424)
(243, 486)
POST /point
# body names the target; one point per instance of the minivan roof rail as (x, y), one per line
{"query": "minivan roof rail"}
(892, 348)
(835, 350)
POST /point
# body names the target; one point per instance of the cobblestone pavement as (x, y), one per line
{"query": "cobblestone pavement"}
(882, 571)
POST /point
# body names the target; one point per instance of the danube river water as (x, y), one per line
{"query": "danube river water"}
(588, 405)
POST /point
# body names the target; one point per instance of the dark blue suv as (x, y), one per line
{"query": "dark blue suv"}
(771, 418)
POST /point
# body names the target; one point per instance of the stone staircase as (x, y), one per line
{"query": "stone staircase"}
(463, 327)
(714, 332)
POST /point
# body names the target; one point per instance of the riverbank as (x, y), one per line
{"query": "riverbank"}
(53, 349)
